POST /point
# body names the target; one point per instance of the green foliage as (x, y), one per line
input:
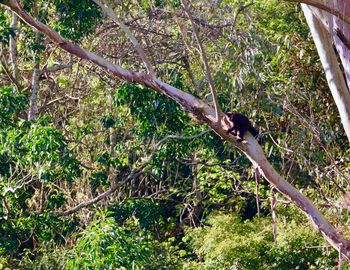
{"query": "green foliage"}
(156, 114)
(41, 147)
(11, 104)
(263, 66)
(5, 30)
(31, 154)
(76, 18)
(35, 145)
(148, 5)
(106, 245)
(108, 122)
(97, 179)
(228, 243)
(148, 214)
(18, 234)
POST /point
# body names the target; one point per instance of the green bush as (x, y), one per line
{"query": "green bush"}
(106, 245)
(228, 243)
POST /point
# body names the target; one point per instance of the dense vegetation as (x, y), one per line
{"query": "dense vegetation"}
(181, 197)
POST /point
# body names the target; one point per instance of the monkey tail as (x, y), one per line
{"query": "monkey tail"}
(255, 133)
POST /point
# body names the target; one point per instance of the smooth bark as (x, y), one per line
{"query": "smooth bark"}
(334, 75)
(341, 33)
(321, 5)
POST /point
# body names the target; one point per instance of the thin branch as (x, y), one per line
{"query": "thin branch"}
(8, 73)
(204, 58)
(110, 12)
(33, 99)
(57, 67)
(189, 102)
(240, 9)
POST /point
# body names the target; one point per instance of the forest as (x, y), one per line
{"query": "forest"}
(175, 134)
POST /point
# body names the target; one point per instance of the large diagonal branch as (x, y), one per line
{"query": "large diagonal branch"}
(319, 4)
(205, 113)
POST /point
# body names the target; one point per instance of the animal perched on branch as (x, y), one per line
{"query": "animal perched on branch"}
(241, 124)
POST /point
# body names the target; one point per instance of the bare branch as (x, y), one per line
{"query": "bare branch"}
(343, 39)
(241, 9)
(33, 99)
(57, 67)
(333, 72)
(204, 58)
(110, 12)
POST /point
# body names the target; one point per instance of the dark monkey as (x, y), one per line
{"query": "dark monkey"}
(241, 124)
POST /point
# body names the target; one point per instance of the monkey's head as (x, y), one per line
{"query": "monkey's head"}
(233, 116)
(230, 115)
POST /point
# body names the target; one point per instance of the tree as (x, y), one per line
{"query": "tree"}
(330, 24)
(202, 112)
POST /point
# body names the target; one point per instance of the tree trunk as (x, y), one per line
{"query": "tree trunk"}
(13, 49)
(33, 99)
(334, 75)
(336, 23)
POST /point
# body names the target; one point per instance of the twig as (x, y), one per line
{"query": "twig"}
(57, 67)
(240, 9)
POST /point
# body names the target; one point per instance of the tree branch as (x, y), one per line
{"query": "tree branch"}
(110, 12)
(343, 39)
(33, 99)
(13, 48)
(57, 67)
(319, 4)
(333, 72)
(204, 58)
